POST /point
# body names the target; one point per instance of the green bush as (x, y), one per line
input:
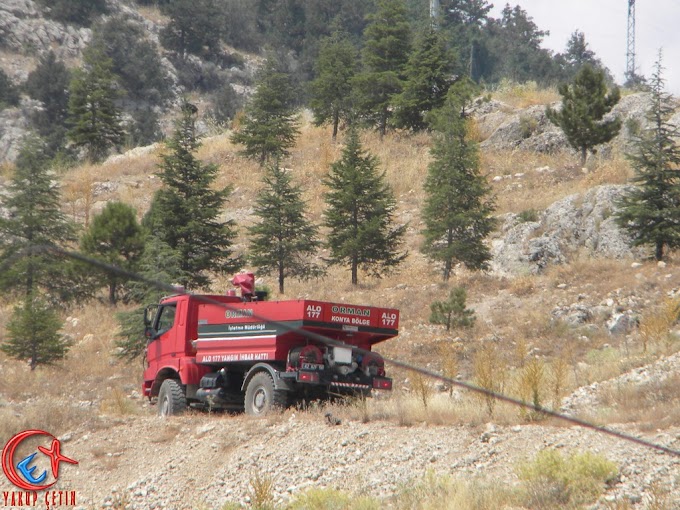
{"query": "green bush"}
(79, 12)
(554, 481)
(528, 215)
(332, 499)
(9, 94)
(527, 126)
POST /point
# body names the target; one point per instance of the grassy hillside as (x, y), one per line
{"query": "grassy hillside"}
(518, 345)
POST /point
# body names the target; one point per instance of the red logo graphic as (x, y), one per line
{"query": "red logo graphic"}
(21, 473)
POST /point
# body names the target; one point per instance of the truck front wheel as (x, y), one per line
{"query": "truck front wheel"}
(171, 398)
(261, 397)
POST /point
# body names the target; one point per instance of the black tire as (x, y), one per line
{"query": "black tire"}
(171, 398)
(261, 397)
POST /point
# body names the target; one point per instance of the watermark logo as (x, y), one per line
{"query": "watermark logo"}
(31, 461)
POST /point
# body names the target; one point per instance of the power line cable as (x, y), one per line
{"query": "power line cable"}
(337, 343)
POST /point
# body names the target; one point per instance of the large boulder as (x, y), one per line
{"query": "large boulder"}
(582, 221)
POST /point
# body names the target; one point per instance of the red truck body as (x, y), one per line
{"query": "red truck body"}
(213, 346)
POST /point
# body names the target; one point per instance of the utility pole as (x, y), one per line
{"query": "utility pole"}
(630, 49)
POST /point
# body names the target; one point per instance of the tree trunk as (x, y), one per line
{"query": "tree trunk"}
(383, 125)
(584, 155)
(112, 292)
(336, 121)
(658, 255)
(355, 271)
(280, 276)
(448, 263)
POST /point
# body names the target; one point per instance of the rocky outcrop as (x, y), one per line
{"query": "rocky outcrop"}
(14, 125)
(530, 129)
(24, 30)
(579, 221)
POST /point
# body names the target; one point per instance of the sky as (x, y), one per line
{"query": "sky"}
(604, 23)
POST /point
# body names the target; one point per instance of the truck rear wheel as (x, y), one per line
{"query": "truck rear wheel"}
(261, 397)
(171, 398)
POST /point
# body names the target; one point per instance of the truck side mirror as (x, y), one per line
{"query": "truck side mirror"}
(149, 315)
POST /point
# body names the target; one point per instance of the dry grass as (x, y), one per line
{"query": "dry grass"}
(58, 398)
(152, 13)
(655, 326)
(435, 492)
(262, 492)
(524, 95)
(654, 405)
(118, 404)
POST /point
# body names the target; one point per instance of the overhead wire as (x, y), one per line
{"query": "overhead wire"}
(337, 343)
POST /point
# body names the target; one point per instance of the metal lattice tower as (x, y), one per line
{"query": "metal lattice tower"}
(630, 51)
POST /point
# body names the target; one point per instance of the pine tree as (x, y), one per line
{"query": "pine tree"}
(284, 241)
(385, 53)
(584, 104)
(116, 238)
(93, 115)
(9, 93)
(158, 262)
(429, 74)
(80, 12)
(650, 211)
(49, 84)
(34, 219)
(360, 214)
(33, 334)
(331, 89)
(452, 313)
(135, 60)
(578, 54)
(195, 27)
(457, 210)
(186, 210)
(270, 126)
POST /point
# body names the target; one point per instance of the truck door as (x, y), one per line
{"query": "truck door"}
(162, 350)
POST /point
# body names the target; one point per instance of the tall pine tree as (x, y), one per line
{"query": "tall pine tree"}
(284, 241)
(650, 212)
(429, 74)
(158, 262)
(34, 219)
(385, 53)
(270, 126)
(585, 102)
(186, 210)
(195, 26)
(360, 214)
(93, 114)
(332, 88)
(457, 210)
(49, 84)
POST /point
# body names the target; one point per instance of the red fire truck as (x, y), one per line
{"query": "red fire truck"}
(242, 352)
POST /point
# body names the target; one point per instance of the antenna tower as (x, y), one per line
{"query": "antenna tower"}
(630, 50)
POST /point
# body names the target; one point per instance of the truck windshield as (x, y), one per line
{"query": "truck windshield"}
(166, 318)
